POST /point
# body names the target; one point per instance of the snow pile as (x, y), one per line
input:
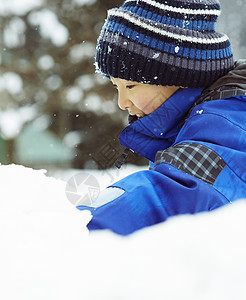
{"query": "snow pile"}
(45, 251)
(189, 257)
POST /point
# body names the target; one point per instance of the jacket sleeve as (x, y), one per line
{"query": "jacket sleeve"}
(150, 197)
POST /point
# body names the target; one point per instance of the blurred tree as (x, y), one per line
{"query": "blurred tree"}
(233, 22)
(48, 49)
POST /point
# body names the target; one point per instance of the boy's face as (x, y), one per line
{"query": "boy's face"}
(141, 99)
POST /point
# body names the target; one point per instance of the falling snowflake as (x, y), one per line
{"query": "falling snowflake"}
(156, 55)
(199, 111)
(109, 49)
(176, 49)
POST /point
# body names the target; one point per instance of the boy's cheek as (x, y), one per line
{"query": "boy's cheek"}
(144, 102)
(151, 105)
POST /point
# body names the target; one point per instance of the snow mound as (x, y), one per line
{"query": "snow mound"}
(188, 257)
(24, 190)
(46, 253)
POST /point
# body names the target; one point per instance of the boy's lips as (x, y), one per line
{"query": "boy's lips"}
(139, 115)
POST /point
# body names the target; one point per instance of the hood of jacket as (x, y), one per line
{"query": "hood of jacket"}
(159, 129)
(236, 79)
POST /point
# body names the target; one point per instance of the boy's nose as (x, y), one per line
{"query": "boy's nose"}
(123, 101)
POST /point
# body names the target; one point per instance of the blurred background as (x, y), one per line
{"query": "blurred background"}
(55, 112)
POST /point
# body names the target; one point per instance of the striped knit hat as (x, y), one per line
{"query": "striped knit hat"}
(164, 42)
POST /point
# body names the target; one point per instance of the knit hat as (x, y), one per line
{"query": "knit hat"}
(164, 42)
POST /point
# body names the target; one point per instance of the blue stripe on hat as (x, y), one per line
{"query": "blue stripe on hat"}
(168, 47)
(184, 24)
(174, 14)
(167, 72)
(214, 44)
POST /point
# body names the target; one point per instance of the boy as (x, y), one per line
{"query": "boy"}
(176, 75)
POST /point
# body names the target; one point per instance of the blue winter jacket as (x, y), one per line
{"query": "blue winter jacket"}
(196, 166)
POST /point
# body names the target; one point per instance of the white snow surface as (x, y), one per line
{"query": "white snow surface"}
(47, 253)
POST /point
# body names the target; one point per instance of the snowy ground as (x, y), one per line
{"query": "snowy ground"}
(46, 252)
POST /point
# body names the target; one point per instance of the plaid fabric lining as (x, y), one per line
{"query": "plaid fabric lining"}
(194, 159)
(222, 93)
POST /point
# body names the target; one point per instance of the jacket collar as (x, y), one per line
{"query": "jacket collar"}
(159, 129)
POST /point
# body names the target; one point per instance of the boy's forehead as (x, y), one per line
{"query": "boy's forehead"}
(120, 81)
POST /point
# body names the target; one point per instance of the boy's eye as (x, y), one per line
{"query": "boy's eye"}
(130, 86)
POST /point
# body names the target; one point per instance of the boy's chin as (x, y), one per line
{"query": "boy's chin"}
(140, 115)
